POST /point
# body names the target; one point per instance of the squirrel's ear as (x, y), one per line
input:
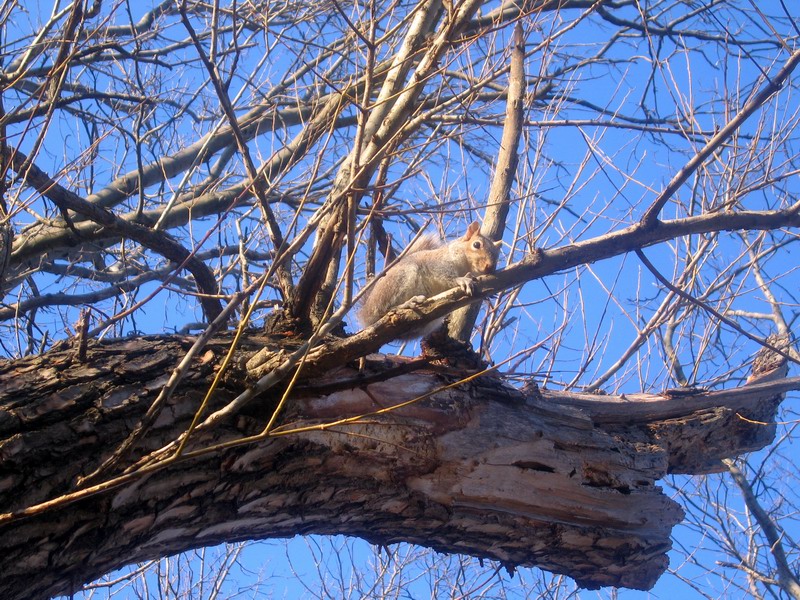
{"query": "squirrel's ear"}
(473, 228)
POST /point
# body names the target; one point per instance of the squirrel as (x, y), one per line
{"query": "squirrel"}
(430, 267)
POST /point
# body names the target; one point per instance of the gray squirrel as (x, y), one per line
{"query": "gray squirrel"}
(430, 267)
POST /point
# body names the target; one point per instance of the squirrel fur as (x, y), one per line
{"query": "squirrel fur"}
(430, 267)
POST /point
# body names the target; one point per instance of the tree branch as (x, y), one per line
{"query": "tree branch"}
(462, 321)
(562, 481)
(787, 580)
(154, 240)
(543, 263)
(765, 93)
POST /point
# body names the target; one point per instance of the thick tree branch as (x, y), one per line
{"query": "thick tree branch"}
(562, 481)
(462, 321)
(547, 262)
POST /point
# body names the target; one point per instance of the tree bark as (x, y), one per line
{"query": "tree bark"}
(562, 481)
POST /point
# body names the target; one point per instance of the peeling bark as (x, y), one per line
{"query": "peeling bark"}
(565, 482)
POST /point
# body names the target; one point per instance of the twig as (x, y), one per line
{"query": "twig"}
(773, 85)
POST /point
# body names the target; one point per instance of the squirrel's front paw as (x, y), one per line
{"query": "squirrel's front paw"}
(467, 284)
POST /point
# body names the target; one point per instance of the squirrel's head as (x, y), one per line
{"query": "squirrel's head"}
(482, 253)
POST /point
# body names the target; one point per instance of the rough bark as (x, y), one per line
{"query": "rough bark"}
(566, 482)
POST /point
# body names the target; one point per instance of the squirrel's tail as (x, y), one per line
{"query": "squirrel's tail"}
(429, 241)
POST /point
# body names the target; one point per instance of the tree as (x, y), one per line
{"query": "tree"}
(239, 169)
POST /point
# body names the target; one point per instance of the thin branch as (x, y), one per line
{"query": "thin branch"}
(154, 240)
(787, 580)
(257, 180)
(765, 93)
(710, 309)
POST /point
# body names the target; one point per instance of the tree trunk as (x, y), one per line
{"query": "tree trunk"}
(562, 481)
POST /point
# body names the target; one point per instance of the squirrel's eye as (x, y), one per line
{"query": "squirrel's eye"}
(476, 245)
